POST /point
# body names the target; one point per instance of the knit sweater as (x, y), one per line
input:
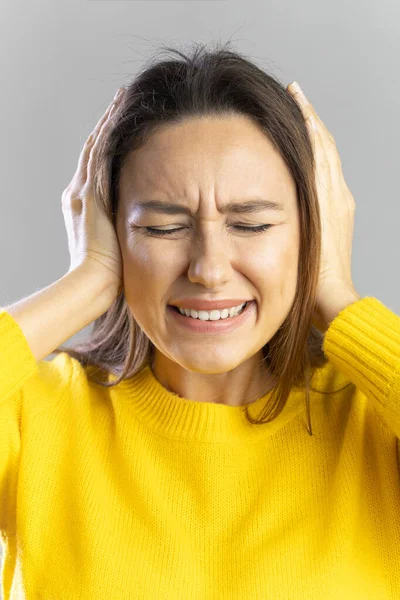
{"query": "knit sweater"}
(133, 492)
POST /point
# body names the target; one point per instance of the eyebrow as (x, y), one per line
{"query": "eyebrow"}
(168, 208)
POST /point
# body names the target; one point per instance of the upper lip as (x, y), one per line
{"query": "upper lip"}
(208, 304)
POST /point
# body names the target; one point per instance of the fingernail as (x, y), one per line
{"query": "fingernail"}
(119, 92)
(295, 87)
(300, 94)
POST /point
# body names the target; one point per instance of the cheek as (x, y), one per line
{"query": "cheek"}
(152, 261)
(275, 270)
(146, 275)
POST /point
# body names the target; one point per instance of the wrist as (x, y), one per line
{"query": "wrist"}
(339, 301)
(98, 288)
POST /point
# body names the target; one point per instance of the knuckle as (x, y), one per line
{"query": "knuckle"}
(72, 199)
(76, 204)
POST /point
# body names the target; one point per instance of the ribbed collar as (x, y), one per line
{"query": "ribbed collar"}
(166, 413)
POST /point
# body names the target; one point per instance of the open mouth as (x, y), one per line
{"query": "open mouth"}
(246, 305)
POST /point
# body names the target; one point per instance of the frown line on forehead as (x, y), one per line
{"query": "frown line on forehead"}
(168, 208)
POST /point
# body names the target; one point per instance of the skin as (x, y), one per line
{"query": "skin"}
(205, 163)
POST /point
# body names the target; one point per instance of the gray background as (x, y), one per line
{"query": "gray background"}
(62, 64)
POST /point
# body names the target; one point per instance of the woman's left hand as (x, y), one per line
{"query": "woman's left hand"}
(337, 207)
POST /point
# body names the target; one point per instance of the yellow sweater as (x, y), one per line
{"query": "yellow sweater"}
(135, 493)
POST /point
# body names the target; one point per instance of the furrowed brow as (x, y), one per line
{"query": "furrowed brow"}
(168, 208)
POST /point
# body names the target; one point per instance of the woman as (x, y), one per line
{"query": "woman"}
(210, 232)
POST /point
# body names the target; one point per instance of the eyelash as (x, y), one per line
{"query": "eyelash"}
(164, 232)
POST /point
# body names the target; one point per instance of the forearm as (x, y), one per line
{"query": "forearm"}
(52, 315)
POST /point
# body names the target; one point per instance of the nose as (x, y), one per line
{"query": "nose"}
(210, 259)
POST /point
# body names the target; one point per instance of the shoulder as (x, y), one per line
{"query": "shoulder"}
(57, 376)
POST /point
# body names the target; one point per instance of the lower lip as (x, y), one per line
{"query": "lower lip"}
(221, 326)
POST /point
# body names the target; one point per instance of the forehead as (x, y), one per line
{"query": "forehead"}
(223, 157)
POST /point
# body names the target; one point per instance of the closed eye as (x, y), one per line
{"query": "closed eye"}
(163, 232)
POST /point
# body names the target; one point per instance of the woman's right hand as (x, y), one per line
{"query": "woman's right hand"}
(92, 239)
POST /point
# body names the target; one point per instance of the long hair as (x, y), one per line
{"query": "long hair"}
(206, 82)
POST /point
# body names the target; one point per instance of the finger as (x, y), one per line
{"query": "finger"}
(306, 107)
(90, 156)
(99, 125)
(81, 172)
(93, 150)
(88, 146)
(327, 159)
(324, 145)
(309, 111)
(313, 123)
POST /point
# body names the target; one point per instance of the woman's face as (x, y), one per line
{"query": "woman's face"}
(202, 165)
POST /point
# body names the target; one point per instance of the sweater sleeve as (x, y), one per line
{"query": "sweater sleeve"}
(25, 386)
(363, 342)
(17, 365)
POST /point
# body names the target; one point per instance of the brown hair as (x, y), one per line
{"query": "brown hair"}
(212, 82)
